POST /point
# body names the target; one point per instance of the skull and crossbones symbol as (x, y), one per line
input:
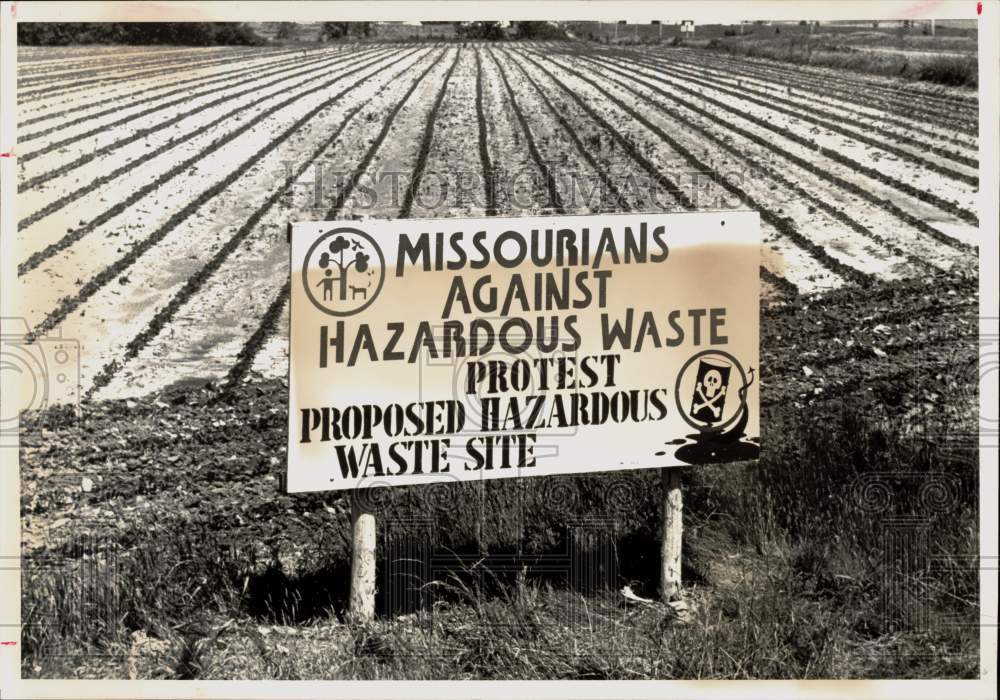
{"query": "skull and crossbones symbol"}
(711, 391)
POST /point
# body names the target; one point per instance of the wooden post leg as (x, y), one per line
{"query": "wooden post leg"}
(670, 548)
(362, 601)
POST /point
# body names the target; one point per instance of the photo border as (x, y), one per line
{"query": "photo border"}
(988, 15)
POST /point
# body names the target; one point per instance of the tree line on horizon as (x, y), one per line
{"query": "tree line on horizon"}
(241, 33)
(182, 33)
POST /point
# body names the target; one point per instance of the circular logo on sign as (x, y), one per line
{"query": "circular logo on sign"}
(343, 271)
(709, 391)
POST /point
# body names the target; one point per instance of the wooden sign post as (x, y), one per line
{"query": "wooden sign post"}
(362, 600)
(673, 529)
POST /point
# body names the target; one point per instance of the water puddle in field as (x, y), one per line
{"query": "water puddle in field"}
(201, 350)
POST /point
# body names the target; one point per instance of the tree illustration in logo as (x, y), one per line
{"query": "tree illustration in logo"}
(343, 255)
(343, 271)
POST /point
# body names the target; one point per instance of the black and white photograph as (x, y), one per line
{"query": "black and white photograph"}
(456, 349)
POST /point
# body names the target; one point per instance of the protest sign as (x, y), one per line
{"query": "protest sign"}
(467, 349)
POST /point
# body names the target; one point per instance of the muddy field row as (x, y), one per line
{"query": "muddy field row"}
(152, 198)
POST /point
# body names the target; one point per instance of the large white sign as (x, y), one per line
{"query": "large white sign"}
(463, 349)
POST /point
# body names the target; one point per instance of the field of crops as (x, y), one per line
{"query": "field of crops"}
(155, 183)
(155, 188)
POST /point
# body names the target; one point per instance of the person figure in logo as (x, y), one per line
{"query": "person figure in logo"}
(327, 284)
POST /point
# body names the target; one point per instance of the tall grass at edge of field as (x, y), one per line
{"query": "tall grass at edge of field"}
(947, 70)
(816, 563)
